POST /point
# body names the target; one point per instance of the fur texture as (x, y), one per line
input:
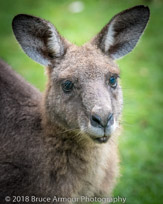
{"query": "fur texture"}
(49, 144)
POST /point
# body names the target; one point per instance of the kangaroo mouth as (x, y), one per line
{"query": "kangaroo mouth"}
(100, 140)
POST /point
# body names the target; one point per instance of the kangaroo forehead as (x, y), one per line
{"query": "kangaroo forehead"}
(87, 62)
(89, 71)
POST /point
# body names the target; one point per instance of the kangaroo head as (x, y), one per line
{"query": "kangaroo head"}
(83, 90)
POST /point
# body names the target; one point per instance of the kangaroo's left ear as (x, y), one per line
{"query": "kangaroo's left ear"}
(39, 39)
(122, 33)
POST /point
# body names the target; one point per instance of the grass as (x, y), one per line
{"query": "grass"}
(141, 73)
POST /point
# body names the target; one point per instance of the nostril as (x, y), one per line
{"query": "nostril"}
(110, 116)
(95, 120)
(110, 119)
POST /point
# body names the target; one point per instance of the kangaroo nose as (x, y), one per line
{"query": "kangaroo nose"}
(97, 121)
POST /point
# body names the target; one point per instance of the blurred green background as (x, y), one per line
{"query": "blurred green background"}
(141, 73)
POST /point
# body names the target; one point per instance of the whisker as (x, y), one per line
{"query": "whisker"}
(69, 130)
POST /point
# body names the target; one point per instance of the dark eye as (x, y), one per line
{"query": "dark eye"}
(113, 81)
(67, 86)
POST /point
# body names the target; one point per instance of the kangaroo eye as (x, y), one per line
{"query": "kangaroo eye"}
(67, 86)
(113, 81)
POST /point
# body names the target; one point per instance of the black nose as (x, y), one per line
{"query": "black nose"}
(97, 121)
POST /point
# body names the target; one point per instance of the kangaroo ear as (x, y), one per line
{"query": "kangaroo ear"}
(38, 38)
(122, 33)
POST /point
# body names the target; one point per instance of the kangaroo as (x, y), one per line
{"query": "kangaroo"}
(63, 143)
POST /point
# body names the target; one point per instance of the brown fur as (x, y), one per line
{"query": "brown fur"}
(47, 161)
(48, 143)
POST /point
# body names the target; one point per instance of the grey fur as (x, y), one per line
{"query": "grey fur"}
(47, 144)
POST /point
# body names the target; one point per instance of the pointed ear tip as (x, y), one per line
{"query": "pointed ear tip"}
(143, 7)
(18, 17)
(143, 11)
(146, 8)
(21, 17)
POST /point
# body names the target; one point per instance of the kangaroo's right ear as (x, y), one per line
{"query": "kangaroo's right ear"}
(38, 38)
